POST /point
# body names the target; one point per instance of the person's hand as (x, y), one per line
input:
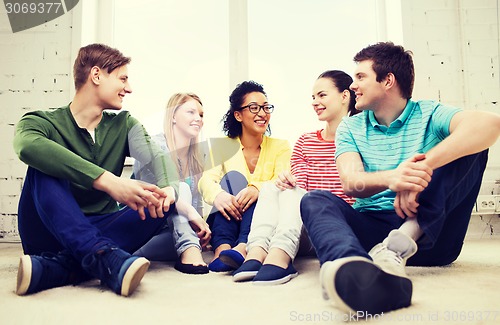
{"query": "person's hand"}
(406, 204)
(228, 206)
(285, 180)
(411, 175)
(200, 226)
(247, 196)
(169, 197)
(135, 194)
(165, 200)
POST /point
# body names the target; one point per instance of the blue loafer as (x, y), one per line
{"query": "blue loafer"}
(247, 271)
(218, 266)
(232, 258)
(271, 274)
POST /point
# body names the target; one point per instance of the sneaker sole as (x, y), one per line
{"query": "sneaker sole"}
(358, 285)
(23, 275)
(244, 276)
(284, 279)
(134, 275)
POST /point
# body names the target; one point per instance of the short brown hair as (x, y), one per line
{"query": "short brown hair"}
(389, 58)
(99, 55)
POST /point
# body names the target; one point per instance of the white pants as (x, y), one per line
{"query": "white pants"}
(276, 220)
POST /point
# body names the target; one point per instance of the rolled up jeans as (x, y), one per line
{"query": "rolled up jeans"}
(175, 238)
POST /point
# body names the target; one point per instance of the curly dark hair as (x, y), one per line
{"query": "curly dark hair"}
(231, 127)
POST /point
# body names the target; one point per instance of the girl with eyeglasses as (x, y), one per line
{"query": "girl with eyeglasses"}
(232, 187)
(274, 239)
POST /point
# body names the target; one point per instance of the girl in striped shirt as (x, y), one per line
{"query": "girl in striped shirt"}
(275, 232)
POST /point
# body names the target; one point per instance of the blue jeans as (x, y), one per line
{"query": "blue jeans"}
(225, 231)
(174, 239)
(50, 220)
(337, 230)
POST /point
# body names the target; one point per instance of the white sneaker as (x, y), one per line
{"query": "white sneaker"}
(391, 254)
(356, 285)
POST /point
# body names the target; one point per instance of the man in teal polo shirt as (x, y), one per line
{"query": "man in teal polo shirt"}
(70, 224)
(415, 168)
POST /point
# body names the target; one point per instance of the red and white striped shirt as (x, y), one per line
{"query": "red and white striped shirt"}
(313, 165)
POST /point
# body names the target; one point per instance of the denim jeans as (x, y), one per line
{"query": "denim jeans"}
(276, 220)
(50, 220)
(225, 231)
(174, 239)
(337, 230)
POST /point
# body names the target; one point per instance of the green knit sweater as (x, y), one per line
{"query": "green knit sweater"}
(52, 142)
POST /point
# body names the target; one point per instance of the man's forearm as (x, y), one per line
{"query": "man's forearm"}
(363, 184)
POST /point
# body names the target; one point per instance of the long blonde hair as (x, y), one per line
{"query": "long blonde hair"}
(195, 158)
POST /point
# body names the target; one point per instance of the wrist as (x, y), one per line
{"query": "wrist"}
(101, 182)
(252, 185)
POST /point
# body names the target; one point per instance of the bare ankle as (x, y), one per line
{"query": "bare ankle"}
(193, 256)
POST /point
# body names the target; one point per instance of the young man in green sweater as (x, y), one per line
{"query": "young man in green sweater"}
(70, 224)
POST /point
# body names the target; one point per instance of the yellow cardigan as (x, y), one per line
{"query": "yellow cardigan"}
(274, 157)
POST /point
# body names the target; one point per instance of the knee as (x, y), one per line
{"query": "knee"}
(234, 176)
(233, 182)
(319, 201)
(316, 197)
(268, 187)
(308, 201)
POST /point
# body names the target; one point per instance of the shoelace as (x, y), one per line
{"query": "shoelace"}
(103, 265)
(103, 262)
(387, 255)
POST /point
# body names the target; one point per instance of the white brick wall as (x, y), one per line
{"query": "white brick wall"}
(35, 67)
(456, 46)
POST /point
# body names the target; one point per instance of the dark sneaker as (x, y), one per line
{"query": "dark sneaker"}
(247, 271)
(37, 273)
(271, 274)
(357, 285)
(117, 269)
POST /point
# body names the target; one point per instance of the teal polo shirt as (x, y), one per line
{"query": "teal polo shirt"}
(421, 126)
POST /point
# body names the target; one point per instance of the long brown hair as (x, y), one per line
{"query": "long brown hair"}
(195, 157)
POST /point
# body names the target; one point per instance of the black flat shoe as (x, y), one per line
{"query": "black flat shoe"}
(190, 268)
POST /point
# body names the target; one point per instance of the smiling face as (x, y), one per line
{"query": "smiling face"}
(188, 119)
(328, 102)
(369, 92)
(113, 87)
(253, 123)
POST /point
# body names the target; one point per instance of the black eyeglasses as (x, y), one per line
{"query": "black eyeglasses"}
(255, 108)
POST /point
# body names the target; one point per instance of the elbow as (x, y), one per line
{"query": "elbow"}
(496, 126)
(347, 188)
(350, 192)
(23, 153)
(24, 148)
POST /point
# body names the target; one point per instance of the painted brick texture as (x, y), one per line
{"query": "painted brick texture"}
(35, 72)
